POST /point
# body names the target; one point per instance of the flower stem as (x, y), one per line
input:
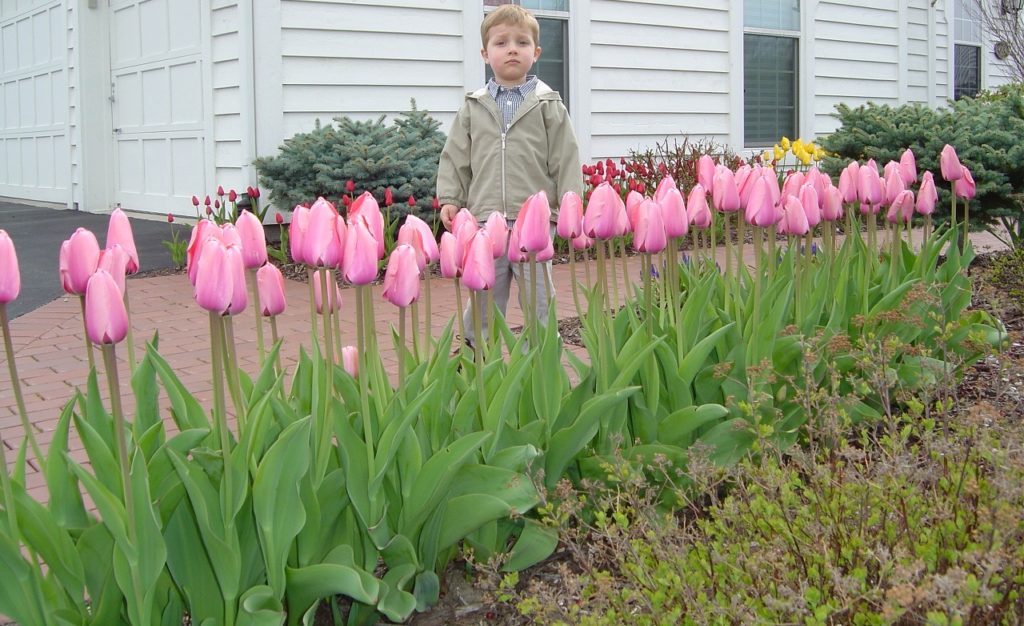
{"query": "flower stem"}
(416, 327)
(625, 272)
(401, 346)
(310, 277)
(329, 293)
(613, 278)
(18, 398)
(364, 373)
(85, 334)
(458, 308)
(531, 317)
(255, 298)
(478, 353)
(131, 334)
(232, 372)
(575, 290)
(428, 324)
(219, 408)
(113, 382)
(273, 337)
(648, 296)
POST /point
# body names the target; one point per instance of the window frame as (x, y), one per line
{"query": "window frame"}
(547, 14)
(795, 35)
(961, 12)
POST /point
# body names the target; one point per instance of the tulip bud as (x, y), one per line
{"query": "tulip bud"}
(270, 287)
(195, 201)
(535, 220)
(213, 280)
(497, 228)
(478, 265)
(220, 190)
(450, 259)
(605, 216)
(106, 318)
(964, 187)
(115, 261)
(412, 202)
(697, 207)
(350, 360)
(570, 216)
(232, 195)
(360, 254)
(649, 234)
(119, 231)
(350, 186)
(949, 163)
(254, 243)
(402, 277)
(927, 196)
(435, 204)
(389, 197)
(279, 219)
(170, 218)
(10, 276)
(79, 257)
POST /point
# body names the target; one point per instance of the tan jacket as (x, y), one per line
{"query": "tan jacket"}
(485, 170)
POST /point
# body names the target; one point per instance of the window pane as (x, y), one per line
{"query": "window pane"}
(769, 89)
(966, 71)
(553, 66)
(774, 14)
(533, 5)
(967, 21)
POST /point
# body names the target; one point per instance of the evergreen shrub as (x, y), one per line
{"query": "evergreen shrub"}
(372, 154)
(987, 132)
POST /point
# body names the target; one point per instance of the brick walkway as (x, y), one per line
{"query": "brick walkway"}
(52, 363)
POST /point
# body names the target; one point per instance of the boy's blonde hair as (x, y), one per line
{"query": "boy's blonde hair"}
(513, 15)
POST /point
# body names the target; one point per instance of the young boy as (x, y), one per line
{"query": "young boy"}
(511, 139)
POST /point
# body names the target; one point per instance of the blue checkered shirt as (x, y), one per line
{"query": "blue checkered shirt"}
(509, 98)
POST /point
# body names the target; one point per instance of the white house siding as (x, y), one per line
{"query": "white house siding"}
(919, 51)
(367, 58)
(33, 100)
(658, 68)
(857, 51)
(226, 71)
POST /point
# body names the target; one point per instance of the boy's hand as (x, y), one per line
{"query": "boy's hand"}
(448, 212)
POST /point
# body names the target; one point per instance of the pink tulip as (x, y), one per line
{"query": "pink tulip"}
(706, 171)
(402, 277)
(214, 284)
(667, 183)
(582, 243)
(724, 190)
(119, 231)
(497, 228)
(239, 293)
(426, 236)
(10, 276)
(697, 210)
(794, 220)
(360, 263)
(605, 214)
(515, 251)
(820, 181)
(927, 196)
(318, 293)
(320, 234)
(336, 247)
(892, 168)
(297, 234)
(450, 266)
(870, 189)
(673, 211)
(350, 360)
(772, 178)
(200, 232)
(254, 241)
(534, 221)
(115, 261)
(464, 216)
(229, 235)
(809, 201)
(365, 206)
(908, 167)
(570, 216)
(964, 187)
(633, 201)
(106, 319)
(902, 208)
(791, 186)
(78, 260)
(848, 183)
(270, 287)
(761, 210)
(745, 177)
(649, 235)
(893, 184)
(423, 246)
(949, 163)
(478, 264)
(832, 210)
(547, 253)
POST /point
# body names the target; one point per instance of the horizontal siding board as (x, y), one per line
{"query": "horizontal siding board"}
(379, 72)
(306, 98)
(680, 15)
(654, 80)
(439, 19)
(324, 43)
(658, 58)
(658, 102)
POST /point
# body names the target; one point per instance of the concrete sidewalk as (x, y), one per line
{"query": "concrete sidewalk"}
(52, 363)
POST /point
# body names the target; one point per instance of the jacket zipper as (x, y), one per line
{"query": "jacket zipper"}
(504, 200)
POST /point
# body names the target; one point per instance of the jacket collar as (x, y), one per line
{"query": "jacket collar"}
(543, 92)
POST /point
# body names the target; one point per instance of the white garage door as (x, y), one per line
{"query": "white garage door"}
(156, 74)
(34, 159)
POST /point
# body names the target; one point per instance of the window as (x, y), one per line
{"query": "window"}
(966, 49)
(553, 17)
(771, 39)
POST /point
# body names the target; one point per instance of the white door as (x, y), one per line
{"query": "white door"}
(158, 105)
(34, 160)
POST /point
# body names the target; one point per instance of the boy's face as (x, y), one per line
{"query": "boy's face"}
(511, 52)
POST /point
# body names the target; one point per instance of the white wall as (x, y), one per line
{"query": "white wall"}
(34, 161)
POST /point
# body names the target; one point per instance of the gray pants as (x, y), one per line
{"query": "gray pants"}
(505, 271)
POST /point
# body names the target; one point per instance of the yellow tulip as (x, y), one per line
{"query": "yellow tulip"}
(785, 144)
(767, 156)
(779, 153)
(805, 158)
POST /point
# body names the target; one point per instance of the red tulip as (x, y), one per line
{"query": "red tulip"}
(79, 258)
(534, 220)
(232, 196)
(10, 276)
(697, 210)
(216, 204)
(478, 264)
(402, 277)
(809, 202)
(706, 171)
(350, 360)
(832, 208)
(570, 216)
(114, 260)
(270, 287)
(366, 206)
(209, 210)
(195, 201)
(389, 197)
(964, 187)
(279, 218)
(724, 190)
(350, 185)
(412, 202)
(949, 163)
(927, 196)
(318, 294)
(214, 282)
(206, 201)
(497, 228)
(794, 220)
(106, 319)
(605, 216)
(254, 242)
(902, 208)
(255, 192)
(220, 190)
(649, 235)
(297, 234)
(170, 218)
(435, 204)
(908, 167)
(360, 262)
(450, 266)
